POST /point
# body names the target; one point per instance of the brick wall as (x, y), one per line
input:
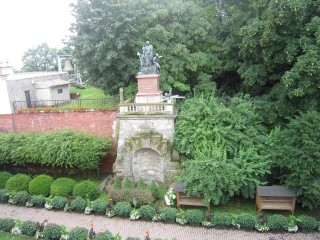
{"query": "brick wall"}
(97, 122)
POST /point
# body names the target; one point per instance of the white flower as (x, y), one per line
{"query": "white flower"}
(64, 237)
(16, 230)
(181, 221)
(110, 213)
(87, 210)
(39, 234)
(169, 197)
(293, 229)
(262, 227)
(207, 224)
(48, 205)
(156, 218)
(134, 215)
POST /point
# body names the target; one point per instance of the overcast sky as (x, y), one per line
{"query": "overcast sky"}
(27, 23)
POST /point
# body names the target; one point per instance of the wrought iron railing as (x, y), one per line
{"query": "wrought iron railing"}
(102, 103)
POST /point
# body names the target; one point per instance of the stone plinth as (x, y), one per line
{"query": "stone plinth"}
(148, 89)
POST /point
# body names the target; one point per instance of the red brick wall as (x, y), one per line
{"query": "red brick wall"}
(96, 122)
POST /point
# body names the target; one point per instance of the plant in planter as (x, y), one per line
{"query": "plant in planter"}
(29, 228)
(147, 212)
(99, 206)
(168, 214)
(246, 221)
(58, 202)
(222, 219)
(307, 223)
(277, 222)
(78, 233)
(78, 204)
(122, 209)
(194, 216)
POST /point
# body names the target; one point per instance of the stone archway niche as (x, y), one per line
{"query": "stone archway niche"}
(148, 165)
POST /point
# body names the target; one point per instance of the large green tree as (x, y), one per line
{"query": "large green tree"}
(40, 58)
(110, 33)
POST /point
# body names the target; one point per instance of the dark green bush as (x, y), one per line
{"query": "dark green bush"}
(222, 219)
(4, 195)
(117, 183)
(78, 233)
(38, 200)
(106, 235)
(246, 221)
(6, 224)
(86, 189)
(78, 204)
(20, 198)
(99, 206)
(4, 176)
(153, 187)
(29, 228)
(194, 216)
(307, 223)
(122, 209)
(128, 183)
(277, 222)
(40, 185)
(147, 211)
(52, 232)
(168, 214)
(18, 183)
(58, 202)
(62, 187)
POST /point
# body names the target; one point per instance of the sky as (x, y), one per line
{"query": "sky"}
(26, 24)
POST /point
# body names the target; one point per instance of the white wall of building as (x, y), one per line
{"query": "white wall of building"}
(5, 107)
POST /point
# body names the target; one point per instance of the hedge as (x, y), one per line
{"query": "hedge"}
(60, 148)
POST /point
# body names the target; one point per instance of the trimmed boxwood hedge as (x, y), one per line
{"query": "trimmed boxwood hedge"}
(86, 189)
(4, 177)
(40, 185)
(18, 183)
(62, 187)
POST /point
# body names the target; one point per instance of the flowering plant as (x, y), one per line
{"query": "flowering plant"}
(110, 213)
(170, 197)
(156, 218)
(134, 215)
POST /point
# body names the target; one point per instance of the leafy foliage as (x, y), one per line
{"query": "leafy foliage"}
(4, 195)
(106, 235)
(307, 223)
(52, 231)
(29, 228)
(117, 183)
(4, 176)
(168, 214)
(128, 183)
(18, 182)
(277, 222)
(222, 219)
(6, 224)
(86, 189)
(20, 197)
(122, 209)
(78, 204)
(62, 187)
(153, 187)
(246, 221)
(147, 211)
(58, 202)
(38, 200)
(61, 148)
(194, 216)
(99, 206)
(295, 149)
(40, 185)
(78, 233)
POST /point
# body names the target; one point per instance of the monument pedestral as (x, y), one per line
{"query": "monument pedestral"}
(148, 89)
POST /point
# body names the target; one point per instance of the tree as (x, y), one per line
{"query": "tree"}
(110, 33)
(41, 58)
(296, 149)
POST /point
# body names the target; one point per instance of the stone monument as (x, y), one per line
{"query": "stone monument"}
(146, 128)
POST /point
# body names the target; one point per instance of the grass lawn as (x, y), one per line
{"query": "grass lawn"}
(89, 92)
(9, 236)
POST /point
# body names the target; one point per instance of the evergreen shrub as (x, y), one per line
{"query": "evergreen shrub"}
(122, 209)
(277, 222)
(38, 200)
(117, 183)
(62, 187)
(128, 183)
(6, 224)
(78, 233)
(106, 235)
(99, 206)
(141, 184)
(246, 221)
(168, 214)
(4, 195)
(222, 219)
(40, 185)
(86, 189)
(20, 198)
(194, 216)
(147, 211)
(52, 232)
(307, 223)
(4, 176)
(18, 183)
(29, 228)
(58, 202)
(153, 187)
(78, 204)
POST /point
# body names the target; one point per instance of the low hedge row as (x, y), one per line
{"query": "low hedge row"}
(60, 148)
(45, 185)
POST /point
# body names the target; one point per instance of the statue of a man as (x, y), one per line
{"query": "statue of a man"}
(148, 53)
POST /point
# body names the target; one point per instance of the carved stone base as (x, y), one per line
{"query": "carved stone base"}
(148, 89)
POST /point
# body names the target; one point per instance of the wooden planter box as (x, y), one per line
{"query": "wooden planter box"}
(183, 199)
(275, 198)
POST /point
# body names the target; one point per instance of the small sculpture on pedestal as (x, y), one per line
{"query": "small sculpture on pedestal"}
(149, 63)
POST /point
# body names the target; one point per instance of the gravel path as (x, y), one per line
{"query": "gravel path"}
(138, 228)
